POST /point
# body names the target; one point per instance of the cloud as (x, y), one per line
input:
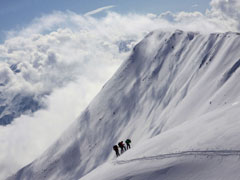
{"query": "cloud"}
(63, 59)
(63, 64)
(28, 136)
(227, 10)
(228, 7)
(98, 10)
(195, 5)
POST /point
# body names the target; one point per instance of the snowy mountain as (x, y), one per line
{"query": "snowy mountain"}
(177, 97)
(14, 104)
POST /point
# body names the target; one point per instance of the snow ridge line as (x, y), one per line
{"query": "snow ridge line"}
(184, 153)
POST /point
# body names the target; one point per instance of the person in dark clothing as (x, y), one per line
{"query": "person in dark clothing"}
(128, 141)
(115, 148)
(122, 146)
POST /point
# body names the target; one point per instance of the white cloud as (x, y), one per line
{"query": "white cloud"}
(227, 7)
(195, 5)
(77, 55)
(98, 10)
(226, 11)
(67, 57)
(28, 136)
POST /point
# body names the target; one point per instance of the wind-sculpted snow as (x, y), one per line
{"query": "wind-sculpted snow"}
(231, 71)
(168, 96)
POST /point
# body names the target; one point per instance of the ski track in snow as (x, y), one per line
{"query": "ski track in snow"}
(208, 153)
(236, 103)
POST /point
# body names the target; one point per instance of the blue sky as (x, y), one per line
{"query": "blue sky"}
(16, 14)
(69, 56)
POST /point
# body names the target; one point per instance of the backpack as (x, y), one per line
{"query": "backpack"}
(120, 144)
(115, 147)
(128, 141)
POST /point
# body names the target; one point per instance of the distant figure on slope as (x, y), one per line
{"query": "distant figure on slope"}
(115, 148)
(128, 141)
(122, 146)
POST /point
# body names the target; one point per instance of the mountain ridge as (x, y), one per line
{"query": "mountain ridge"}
(155, 91)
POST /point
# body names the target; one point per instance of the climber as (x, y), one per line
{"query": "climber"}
(122, 146)
(115, 148)
(128, 141)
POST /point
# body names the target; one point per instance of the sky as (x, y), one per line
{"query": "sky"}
(66, 50)
(17, 14)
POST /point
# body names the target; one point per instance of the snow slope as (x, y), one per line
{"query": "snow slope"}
(164, 157)
(177, 94)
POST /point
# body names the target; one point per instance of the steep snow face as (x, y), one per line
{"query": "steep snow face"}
(177, 92)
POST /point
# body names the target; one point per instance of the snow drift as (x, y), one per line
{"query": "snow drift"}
(176, 95)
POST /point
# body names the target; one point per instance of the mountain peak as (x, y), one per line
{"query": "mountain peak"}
(164, 95)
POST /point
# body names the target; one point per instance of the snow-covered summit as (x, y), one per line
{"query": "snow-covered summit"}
(177, 92)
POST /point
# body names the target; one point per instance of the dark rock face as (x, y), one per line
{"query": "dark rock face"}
(20, 104)
(123, 46)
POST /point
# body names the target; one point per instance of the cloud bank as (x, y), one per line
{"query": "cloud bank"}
(98, 10)
(63, 59)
